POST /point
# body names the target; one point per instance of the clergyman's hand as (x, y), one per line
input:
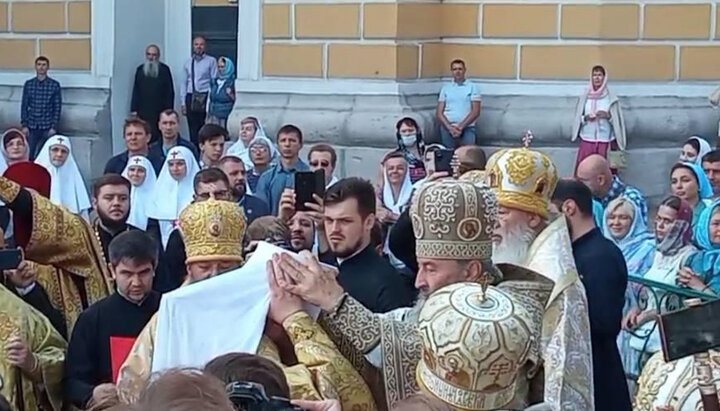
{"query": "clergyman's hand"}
(282, 303)
(17, 353)
(309, 280)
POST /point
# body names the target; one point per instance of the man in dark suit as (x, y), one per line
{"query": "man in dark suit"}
(137, 138)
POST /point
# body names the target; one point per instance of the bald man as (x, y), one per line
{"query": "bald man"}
(595, 172)
(470, 157)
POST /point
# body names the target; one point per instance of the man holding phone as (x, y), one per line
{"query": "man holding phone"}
(282, 175)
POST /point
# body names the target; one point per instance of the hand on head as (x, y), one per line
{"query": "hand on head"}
(307, 279)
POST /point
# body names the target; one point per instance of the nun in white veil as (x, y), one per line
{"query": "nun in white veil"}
(173, 189)
(396, 192)
(67, 187)
(139, 171)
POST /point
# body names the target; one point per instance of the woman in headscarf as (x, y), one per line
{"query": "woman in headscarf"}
(394, 197)
(222, 93)
(689, 182)
(140, 172)
(173, 189)
(67, 187)
(673, 234)
(250, 129)
(702, 269)
(694, 149)
(631, 235)
(598, 119)
(410, 143)
(15, 146)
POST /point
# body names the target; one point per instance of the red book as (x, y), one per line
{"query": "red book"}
(119, 350)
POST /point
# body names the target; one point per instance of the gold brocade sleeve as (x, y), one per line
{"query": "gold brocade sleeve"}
(47, 346)
(136, 370)
(332, 374)
(566, 352)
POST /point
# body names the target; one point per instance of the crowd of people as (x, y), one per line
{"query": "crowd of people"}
(493, 284)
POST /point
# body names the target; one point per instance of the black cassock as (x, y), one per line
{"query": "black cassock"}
(88, 362)
(152, 95)
(603, 272)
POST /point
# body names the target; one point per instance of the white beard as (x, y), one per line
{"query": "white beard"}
(514, 246)
(151, 68)
(413, 315)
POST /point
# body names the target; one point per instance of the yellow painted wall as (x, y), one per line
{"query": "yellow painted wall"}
(636, 40)
(59, 30)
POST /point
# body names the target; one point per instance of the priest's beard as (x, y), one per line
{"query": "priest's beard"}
(112, 225)
(414, 314)
(151, 68)
(514, 246)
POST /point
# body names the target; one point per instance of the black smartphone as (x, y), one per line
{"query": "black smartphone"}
(443, 159)
(308, 183)
(10, 259)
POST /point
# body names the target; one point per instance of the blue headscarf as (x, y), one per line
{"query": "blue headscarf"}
(638, 245)
(706, 262)
(229, 72)
(598, 214)
(705, 189)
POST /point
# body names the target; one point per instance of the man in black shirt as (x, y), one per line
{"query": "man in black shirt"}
(603, 272)
(105, 331)
(366, 276)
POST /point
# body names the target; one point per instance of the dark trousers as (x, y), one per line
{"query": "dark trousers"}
(195, 119)
(36, 139)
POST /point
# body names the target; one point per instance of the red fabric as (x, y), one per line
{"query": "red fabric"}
(30, 175)
(33, 176)
(589, 148)
(120, 348)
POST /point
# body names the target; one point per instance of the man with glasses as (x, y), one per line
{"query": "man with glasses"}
(153, 90)
(323, 156)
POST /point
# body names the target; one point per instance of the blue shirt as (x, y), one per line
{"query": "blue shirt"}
(41, 104)
(205, 70)
(252, 179)
(276, 179)
(458, 100)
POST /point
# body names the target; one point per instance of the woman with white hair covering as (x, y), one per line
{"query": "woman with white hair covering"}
(694, 150)
(139, 171)
(262, 155)
(250, 129)
(67, 187)
(173, 189)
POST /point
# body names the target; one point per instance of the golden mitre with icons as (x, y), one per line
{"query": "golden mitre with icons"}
(523, 179)
(480, 346)
(213, 230)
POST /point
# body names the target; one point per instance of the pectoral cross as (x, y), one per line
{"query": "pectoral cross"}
(527, 138)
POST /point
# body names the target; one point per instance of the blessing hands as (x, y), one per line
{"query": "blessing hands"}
(308, 279)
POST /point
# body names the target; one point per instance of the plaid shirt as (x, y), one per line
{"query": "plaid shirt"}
(41, 104)
(618, 188)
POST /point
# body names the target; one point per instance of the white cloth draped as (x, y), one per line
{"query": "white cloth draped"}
(171, 196)
(67, 187)
(403, 197)
(142, 195)
(241, 151)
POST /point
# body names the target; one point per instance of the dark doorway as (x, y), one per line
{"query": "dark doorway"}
(219, 26)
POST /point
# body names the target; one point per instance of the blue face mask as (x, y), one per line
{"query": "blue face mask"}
(409, 140)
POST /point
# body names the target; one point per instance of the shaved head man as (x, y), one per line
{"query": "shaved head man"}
(595, 173)
(470, 157)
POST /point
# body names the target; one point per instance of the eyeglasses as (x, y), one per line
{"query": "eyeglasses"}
(258, 148)
(320, 164)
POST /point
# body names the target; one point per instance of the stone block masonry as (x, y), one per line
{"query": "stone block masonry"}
(58, 29)
(637, 40)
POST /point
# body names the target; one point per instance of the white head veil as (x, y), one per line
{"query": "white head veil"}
(67, 186)
(403, 197)
(142, 195)
(238, 149)
(170, 196)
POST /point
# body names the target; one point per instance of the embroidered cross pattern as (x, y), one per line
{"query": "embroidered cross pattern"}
(60, 140)
(174, 154)
(499, 368)
(137, 161)
(527, 138)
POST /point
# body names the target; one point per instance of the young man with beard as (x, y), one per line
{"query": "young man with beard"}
(153, 90)
(107, 325)
(111, 202)
(603, 271)
(349, 220)
(234, 169)
(277, 178)
(451, 221)
(523, 180)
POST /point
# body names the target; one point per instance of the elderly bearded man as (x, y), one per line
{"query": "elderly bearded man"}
(452, 223)
(524, 180)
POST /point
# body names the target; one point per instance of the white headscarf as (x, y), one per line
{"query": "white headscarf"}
(67, 186)
(404, 196)
(704, 148)
(238, 149)
(170, 196)
(142, 195)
